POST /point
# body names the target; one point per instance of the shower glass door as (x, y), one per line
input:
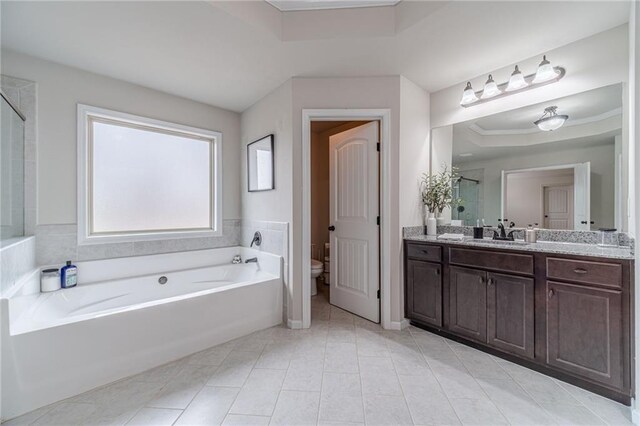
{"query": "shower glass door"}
(467, 210)
(11, 173)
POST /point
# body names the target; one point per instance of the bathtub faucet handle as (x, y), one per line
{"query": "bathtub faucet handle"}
(257, 239)
(236, 259)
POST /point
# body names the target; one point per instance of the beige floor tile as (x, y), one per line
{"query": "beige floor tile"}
(296, 408)
(155, 417)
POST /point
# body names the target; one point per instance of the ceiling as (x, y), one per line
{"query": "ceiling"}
(232, 53)
(595, 118)
(290, 5)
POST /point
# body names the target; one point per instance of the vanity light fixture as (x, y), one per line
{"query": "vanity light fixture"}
(550, 120)
(516, 81)
(546, 74)
(490, 89)
(468, 96)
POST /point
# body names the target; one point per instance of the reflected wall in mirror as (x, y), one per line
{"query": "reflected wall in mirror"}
(11, 171)
(568, 178)
(260, 164)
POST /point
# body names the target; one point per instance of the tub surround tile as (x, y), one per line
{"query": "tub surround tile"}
(57, 243)
(16, 261)
(434, 388)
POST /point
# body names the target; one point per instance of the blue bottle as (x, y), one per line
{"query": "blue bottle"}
(68, 275)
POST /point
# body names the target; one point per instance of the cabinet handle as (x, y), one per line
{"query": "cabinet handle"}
(437, 271)
(482, 280)
(551, 293)
(490, 281)
(425, 251)
(580, 271)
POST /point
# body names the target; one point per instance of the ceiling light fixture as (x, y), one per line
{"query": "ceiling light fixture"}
(550, 119)
(516, 81)
(546, 74)
(490, 89)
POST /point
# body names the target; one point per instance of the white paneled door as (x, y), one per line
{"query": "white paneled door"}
(558, 207)
(354, 210)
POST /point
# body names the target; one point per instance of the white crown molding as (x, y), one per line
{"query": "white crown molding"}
(570, 123)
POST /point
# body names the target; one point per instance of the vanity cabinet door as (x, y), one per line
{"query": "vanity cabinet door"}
(468, 302)
(584, 332)
(424, 292)
(510, 310)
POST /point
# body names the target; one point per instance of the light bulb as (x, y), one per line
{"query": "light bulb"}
(516, 81)
(468, 96)
(490, 89)
(545, 72)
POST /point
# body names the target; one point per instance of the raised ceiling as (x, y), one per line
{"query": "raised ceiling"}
(230, 54)
(292, 5)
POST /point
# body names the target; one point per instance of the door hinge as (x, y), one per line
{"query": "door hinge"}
(378, 294)
(378, 220)
(378, 146)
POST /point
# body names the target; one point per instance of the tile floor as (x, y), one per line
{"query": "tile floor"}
(343, 370)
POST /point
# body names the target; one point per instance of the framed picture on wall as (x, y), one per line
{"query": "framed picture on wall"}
(260, 174)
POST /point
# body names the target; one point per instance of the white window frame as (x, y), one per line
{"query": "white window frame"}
(84, 116)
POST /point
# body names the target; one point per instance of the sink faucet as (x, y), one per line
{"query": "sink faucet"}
(251, 260)
(503, 234)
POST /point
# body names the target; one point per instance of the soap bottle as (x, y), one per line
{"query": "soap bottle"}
(530, 235)
(68, 275)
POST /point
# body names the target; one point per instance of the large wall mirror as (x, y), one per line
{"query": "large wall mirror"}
(509, 168)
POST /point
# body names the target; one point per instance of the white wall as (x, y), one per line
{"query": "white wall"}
(61, 88)
(415, 156)
(602, 178)
(442, 154)
(271, 114)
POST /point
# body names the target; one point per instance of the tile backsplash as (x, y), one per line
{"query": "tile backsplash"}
(555, 235)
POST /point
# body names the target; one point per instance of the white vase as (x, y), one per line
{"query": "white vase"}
(432, 225)
(440, 220)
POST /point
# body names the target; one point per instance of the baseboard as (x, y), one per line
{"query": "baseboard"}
(399, 325)
(294, 325)
(635, 415)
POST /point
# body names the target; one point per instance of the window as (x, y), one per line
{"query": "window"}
(141, 179)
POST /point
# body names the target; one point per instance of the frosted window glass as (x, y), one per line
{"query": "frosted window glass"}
(143, 180)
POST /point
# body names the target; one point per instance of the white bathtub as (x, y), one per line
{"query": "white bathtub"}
(120, 320)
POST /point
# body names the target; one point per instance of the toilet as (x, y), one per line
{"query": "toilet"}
(316, 271)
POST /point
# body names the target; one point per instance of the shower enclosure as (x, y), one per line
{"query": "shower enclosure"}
(468, 191)
(11, 171)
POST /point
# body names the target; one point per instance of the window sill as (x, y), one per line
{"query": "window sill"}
(83, 239)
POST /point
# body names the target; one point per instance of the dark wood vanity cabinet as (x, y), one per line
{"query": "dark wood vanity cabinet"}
(424, 297)
(468, 302)
(567, 316)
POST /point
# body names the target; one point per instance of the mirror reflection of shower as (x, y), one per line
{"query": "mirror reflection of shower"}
(11, 171)
(468, 191)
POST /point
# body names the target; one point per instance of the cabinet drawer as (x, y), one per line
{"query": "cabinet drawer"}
(499, 261)
(583, 271)
(424, 252)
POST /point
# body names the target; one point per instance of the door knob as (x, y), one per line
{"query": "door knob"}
(332, 228)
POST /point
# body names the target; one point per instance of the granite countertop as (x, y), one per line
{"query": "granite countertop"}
(540, 246)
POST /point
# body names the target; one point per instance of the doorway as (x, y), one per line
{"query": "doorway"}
(345, 237)
(383, 116)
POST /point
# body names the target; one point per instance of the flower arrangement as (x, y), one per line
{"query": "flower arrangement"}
(437, 190)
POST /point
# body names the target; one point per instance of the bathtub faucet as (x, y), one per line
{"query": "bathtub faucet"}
(252, 260)
(257, 239)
